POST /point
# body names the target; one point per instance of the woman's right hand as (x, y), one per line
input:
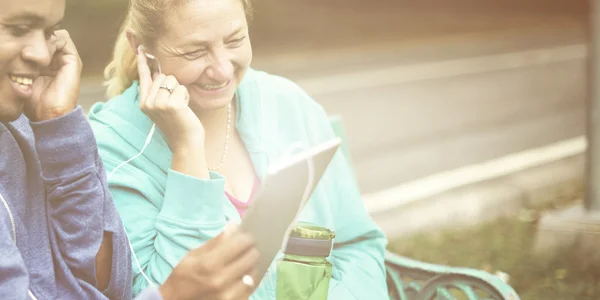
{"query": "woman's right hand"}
(169, 111)
(215, 270)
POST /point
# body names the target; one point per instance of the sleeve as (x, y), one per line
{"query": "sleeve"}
(358, 256)
(14, 280)
(80, 206)
(162, 229)
(151, 293)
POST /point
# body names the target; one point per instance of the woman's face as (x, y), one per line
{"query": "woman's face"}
(206, 46)
(26, 31)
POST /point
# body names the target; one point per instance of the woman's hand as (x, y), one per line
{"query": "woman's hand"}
(215, 270)
(56, 90)
(169, 109)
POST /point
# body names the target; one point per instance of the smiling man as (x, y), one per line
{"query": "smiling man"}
(57, 221)
(60, 234)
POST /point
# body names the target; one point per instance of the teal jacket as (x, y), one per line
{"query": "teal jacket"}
(167, 213)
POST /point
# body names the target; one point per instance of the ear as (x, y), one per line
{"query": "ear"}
(134, 42)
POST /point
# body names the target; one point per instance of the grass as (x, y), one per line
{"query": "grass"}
(507, 245)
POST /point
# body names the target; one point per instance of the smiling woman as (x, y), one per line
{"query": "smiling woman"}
(220, 126)
(148, 20)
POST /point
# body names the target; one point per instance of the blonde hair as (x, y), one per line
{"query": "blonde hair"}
(145, 18)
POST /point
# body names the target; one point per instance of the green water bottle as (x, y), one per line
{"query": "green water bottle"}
(304, 272)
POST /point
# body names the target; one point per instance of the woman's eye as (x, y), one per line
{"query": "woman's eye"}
(195, 54)
(236, 41)
(19, 30)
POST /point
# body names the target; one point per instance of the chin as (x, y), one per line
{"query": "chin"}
(212, 104)
(9, 114)
(10, 108)
(204, 102)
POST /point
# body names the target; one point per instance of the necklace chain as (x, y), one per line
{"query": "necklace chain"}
(226, 147)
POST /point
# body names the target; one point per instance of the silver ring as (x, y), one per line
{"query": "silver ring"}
(248, 281)
(166, 87)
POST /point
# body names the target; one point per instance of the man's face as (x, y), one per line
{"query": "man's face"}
(26, 30)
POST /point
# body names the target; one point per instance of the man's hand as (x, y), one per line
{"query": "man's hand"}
(56, 91)
(215, 270)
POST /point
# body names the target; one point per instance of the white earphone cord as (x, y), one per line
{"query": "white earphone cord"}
(146, 143)
(135, 258)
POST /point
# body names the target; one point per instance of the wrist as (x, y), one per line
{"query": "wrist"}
(188, 147)
(190, 161)
(51, 113)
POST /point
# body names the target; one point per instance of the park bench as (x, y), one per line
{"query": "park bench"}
(410, 279)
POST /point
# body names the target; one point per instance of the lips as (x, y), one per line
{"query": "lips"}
(213, 87)
(21, 80)
(22, 84)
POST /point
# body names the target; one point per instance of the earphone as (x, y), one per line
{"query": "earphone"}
(152, 58)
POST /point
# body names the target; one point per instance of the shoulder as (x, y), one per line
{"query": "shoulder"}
(279, 92)
(271, 83)
(119, 127)
(119, 119)
(286, 107)
(118, 107)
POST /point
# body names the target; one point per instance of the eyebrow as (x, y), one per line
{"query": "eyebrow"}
(240, 29)
(205, 43)
(27, 16)
(32, 18)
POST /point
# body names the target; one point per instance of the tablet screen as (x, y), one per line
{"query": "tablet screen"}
(277, 204)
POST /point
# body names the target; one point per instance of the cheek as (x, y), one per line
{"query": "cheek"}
(243, 56)
(186, 72)
(9, 52)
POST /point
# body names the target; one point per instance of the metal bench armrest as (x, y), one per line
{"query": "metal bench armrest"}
(412, 279)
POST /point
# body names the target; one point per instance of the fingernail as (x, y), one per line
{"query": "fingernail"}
(139, 49)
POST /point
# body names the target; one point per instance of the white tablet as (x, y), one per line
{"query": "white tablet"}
(277, 204)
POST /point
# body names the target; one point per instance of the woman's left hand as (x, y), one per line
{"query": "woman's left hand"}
(56, 91)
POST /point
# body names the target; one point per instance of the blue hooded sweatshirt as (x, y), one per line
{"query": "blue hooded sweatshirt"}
(54, 208)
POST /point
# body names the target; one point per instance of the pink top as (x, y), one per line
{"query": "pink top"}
(242, 207)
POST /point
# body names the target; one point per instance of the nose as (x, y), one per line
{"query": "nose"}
(38, 51)
(220, 68)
